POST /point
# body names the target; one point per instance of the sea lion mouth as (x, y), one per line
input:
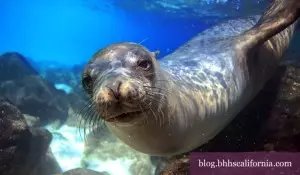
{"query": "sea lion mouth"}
(125, 117)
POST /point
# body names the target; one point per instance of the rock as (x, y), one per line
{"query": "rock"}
(36, 97)
(13, 66)
(271, 122)
(281, 131)
(82, 171)
(21, 148)
(32, 94)
(32, 121)
(48, 165)
(174, 166)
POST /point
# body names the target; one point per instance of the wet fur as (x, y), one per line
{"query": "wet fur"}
(198, 89)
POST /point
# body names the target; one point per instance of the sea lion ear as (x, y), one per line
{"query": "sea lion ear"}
(156, 53)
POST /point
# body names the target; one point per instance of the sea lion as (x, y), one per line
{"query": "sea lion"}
(180, 102)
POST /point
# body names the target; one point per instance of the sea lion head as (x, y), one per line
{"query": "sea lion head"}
(118, 80)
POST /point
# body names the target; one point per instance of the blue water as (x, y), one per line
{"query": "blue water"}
(70, 31)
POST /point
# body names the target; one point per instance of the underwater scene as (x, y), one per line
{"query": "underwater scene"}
(134, 87)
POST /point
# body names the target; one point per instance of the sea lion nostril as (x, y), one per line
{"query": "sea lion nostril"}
(115, 89)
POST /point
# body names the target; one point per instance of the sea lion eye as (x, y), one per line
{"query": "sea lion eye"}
(87, 82)
(144, 64)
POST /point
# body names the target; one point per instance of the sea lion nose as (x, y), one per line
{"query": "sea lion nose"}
(115, 89)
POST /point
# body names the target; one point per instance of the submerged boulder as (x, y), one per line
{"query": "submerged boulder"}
(48, 165)
(281, 131)
(36, 97)
(83, 171)
(22, 148)
(33, 95)
(14, 66)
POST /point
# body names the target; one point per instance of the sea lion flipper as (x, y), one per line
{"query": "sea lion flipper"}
(280, 15)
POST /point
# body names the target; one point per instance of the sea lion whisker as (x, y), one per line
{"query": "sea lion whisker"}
(160, 94)
(81, 128)
(160, 119)
(85, 119)
(156, 96)
(143, 112)
(81, 112)
(94, 123)
(145, 107)
(161, 113)
(162, 99)
(86, 128)
(85, 114)
(92, 115)
(87, 125)
(150, 107)
(89, 122)
(151, 73)
(151, 89)
(97, 121)
(160, 102)
(143, 40)
(162, 80)
(158, 88)
(97, 125)
(106, 105)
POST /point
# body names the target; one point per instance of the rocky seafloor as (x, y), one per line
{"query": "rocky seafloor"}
(40, 120)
